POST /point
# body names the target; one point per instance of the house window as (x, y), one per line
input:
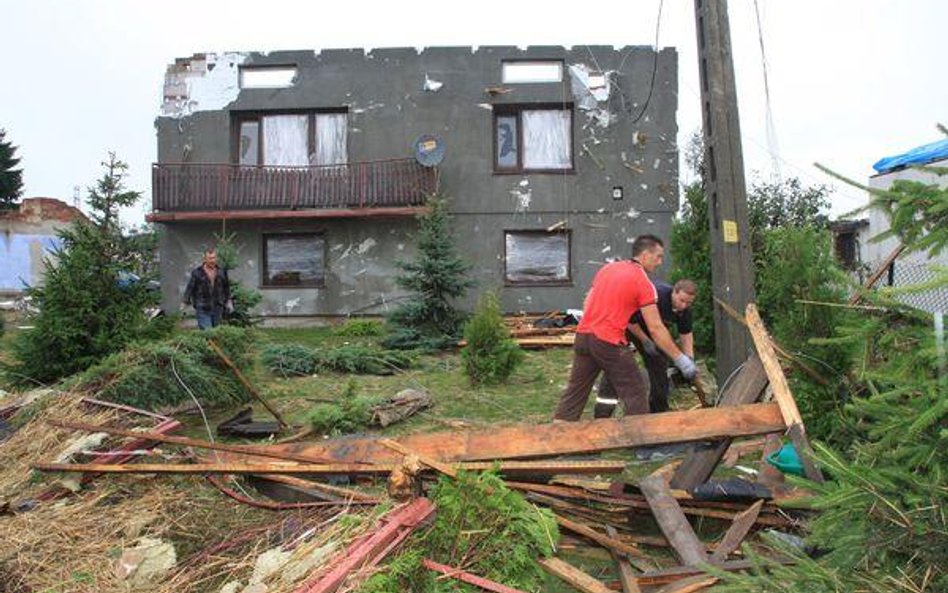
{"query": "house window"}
(292, 139)
(537, 257)
(267, 77)
(533, 139)
(526, 71)
(294, 260)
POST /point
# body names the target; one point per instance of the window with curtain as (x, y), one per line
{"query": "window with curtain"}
(533, 139)
(292, 139)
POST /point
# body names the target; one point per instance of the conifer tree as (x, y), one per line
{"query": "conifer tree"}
(11, 179)
(436, 277)
(89, 304)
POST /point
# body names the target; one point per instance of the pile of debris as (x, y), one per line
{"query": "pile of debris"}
(337, 524)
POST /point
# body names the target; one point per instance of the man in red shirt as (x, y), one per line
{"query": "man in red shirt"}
(619, 290)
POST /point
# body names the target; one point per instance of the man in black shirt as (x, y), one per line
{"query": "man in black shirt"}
(674, 305)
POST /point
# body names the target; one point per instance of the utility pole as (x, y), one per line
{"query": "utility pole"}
(732, 270)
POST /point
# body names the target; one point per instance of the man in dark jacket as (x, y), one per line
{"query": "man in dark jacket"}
(209, 291)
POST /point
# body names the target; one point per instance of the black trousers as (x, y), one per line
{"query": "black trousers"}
(659, 386)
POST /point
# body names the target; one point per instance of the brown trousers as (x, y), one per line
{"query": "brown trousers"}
(591, 355)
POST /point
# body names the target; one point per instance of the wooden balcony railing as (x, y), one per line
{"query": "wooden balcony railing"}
(208, 187)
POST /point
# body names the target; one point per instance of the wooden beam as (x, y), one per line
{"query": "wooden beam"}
(432, 463)
(186, 442)
(746, 388)
(870, 282)
(672, 521)
(551, 439)
(323, 468)
(626, 576)
(689, 584)
(603, 540)
(250, 388)
(573, 576)
(669, 575)
(736, 533)
(782, 395)
(464, 576)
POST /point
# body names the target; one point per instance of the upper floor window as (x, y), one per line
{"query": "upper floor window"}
(537, 257)
(532, 139)
(292, 139)
(527, 71)
(267, 77)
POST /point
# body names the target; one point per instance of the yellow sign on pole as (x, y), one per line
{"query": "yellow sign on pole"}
(730, 231)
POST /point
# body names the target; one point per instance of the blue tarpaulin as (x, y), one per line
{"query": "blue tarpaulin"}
(928, 153)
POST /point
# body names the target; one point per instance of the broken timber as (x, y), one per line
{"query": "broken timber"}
(736, 533)
(243, 380)
(462, 575)
(782, 394)
(539, 440)
(573, 576)
(552, 466)
(672, 521)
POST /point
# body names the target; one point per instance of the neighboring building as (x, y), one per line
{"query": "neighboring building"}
(553, 160)
(27, 238)
(850, 244)
(912, 268)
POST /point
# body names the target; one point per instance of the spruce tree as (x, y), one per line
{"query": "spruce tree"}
(89, 305)
(11, 180)
(436, 277)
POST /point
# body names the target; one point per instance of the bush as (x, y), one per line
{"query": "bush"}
(352, 414)
(166, 373)
(482, 526)
(362, 360)
(359, 328)
(490, 355)
(289, 360)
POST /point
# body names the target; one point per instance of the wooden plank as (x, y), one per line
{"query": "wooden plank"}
(746, 388)
(562, 438)
(243, 380)
(313, 468)
(736, 533)
(603, 540)
(186, 442)
(672, 521)
(461, 575)
(670, 575)
(573, 576)
(689, 584)
(336, 491)
(870, 282)
(626, 576)
(432, 463)
(782, 395)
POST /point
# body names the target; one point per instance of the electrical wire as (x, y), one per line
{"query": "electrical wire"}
(771, 128)
(651, 84)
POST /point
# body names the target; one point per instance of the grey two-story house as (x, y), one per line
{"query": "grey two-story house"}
(318, 163)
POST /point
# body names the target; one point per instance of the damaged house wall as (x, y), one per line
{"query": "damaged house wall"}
(28, 236)
(547, 179)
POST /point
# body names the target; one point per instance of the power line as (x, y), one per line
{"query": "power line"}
(651, 84)
(771, 128)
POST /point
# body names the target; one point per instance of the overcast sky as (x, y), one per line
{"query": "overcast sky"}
(850, 81)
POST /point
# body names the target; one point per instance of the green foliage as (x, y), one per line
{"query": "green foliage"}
(360, 328)
(918, 213)
(11, 180)
(85, 313)
(362, 359)
(160, 374)
(436, 277)
(490, 355)
(882, 520)
(289, 360)
(482, 527)
(691, 253)
(775, 210)
(243, 298)
(352, 414)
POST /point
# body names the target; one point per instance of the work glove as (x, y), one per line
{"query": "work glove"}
(650, 348)
(688, 368)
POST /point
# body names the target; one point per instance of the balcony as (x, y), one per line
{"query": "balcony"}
(213, 191)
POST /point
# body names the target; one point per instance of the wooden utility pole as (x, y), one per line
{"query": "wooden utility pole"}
(732, 269)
